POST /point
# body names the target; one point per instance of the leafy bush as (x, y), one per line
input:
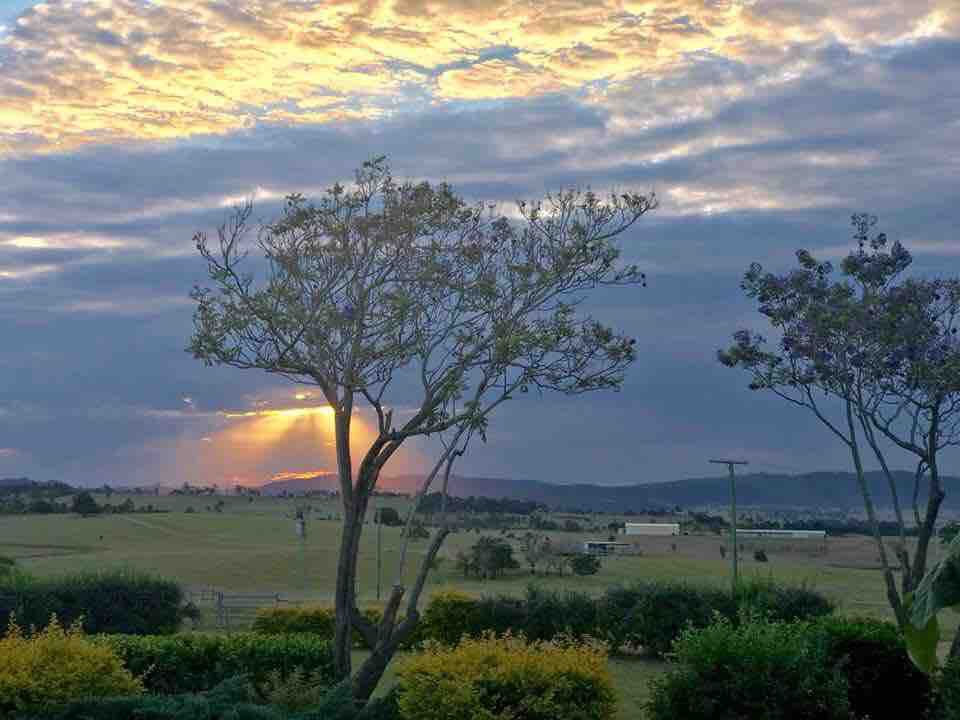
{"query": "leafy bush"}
(782, 602)
(949, 691)
(298, 690)
(283, 621)
(872, 656)
(653, 614)
(585, 565)
(7, 566)
(549, 614)
(110, 602)
(449, 616)
(55, 666)
(663, 610)
(755, 669)
(194, 662)
(489, 677)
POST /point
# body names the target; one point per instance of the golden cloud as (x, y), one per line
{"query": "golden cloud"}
(83, 71)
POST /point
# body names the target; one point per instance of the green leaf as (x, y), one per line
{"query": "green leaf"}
(939, 589)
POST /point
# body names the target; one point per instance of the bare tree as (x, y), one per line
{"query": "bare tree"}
(404, 287)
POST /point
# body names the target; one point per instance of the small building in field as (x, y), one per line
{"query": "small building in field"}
(820, 535)
(656, 529)
(605, 547)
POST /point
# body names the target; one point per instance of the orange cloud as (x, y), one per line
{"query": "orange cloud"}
(79, 72)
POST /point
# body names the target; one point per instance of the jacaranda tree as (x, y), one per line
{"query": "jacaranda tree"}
(384, 291)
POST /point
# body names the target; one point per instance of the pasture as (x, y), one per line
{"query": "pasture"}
(252, 547)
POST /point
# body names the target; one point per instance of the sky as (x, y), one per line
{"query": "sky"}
(126, 126)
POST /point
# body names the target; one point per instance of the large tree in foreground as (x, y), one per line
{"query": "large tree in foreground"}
(875, 357)
(388, 293)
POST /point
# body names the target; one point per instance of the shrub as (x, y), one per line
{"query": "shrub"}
(283, 621)
(489, 677)
(55, 666)
(449, 616)
(663, 610)
(653, 614)
(872, 656)
(949, 691)
(585, 565)
(549, 614)
(782, 602)
(110, 602)
(195, 662)
(298, 690)
(757, 670)
(7, 566)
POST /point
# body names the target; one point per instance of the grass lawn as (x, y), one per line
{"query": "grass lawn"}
(252, 547)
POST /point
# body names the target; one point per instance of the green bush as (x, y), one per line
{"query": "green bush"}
(756, 669)
(782, 602)
(872, 656)
(652, 614)
(585, 565)
(549, 614)
(489, 677)
(284, 621)
(194, 662)
(949, 692)
(109, 602)
(663, 610)
(449, 616)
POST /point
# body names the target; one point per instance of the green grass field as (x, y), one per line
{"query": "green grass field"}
(252, 547)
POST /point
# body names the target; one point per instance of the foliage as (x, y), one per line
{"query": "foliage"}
(121, 601)
(652, 615)
(754, 669)
(194, 662)
(297, 690)
(449, 616)
(489, 557)
(948, 691)
(285, 620)
(383, 276)
(389, 516)
(784, 603)
(57, 665)
(939, 589)
(7, 566)
(872, 656)
(881, 349)
(432, 502)
(487, 678)
(949, 531)
(84, 504)
(585, 565)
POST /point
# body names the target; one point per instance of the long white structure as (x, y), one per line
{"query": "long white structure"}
(651, 529)
(783, 534)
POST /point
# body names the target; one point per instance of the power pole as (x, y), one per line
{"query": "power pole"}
(733, 515)
(376, 516)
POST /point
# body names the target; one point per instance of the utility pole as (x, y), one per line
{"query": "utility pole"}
(376, 516)
(733, 515)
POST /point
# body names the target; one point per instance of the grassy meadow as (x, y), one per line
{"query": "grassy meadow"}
(252, 547)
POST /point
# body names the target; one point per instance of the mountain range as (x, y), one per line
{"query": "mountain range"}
(821, 490)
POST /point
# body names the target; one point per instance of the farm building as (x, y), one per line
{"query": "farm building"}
(783, 534)
(605, 547)
(651, 529)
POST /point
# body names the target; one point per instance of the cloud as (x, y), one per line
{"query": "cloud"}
(92, 71)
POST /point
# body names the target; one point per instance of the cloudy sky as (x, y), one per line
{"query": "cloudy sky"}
(128, 125)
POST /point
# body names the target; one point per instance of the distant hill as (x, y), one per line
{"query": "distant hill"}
(833, 490)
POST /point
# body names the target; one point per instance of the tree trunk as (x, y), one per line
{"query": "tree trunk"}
(345, 592)
(893, 597)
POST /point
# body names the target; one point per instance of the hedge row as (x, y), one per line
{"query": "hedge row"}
(648, 615)
(109, 602)
(194, 662)
(828, 669)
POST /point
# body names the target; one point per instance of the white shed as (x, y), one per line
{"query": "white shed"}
(661, 529)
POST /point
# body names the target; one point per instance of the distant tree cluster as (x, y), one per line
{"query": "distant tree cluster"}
(489, 557)
(432, 502)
